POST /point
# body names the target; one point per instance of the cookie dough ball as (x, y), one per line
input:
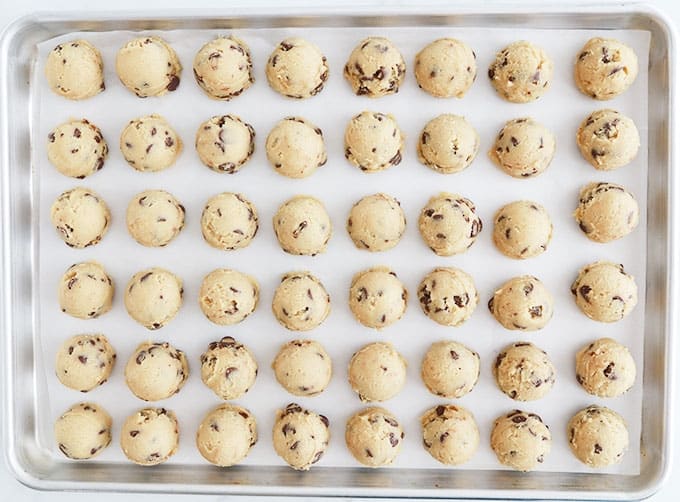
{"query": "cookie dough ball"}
(523, 148)
(223, 68)
(605, 68)
(301, 302)
(75, 70)
(153, 297)
(448, 296)
(148, 66)
(229, 221)
(449, 224)
(376, 222)
(377, 372)
(295, 148)
(520, 440)
(373, 141)
(605, 368)
(302, 226)
(150, 436)
(83, 431)
(598, 436)
(156, 371)
(77, 148)
(522, 303)
(522, 229)
(226, 435)
(524, 372)
(448, 144)
(375, 68)
(450, 369)
(606, 212)
(81, 217)
(605, 292)
(377, 298)
(374, 437)
(228, 368)
(154, 218)
(227, 297)
(608, 139)
(446, 68)
(85, 290)
(521, 72)
(303, 367)
(450, 434)
(300, 436)
(297, 69)
(85, 362)
(149, 144)
(224, 143)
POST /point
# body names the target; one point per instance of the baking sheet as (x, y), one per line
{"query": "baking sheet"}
(339, 185)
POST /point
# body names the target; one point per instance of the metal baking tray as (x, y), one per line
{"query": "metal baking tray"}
(33, 464)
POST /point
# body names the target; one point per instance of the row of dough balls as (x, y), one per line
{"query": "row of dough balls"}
(598, 436)
(447, 67)
(374, 142)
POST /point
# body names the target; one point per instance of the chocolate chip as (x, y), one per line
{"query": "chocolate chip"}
(294, 445)
(440, 410)
(76, 133)
(82, 359)
(609, 372)
(536, 311)
(393, 440)
(584, 291)
(597, 449)
(173, 84)
(134, 433)
(454, 355)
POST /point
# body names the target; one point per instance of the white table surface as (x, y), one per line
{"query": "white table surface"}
(12, 490)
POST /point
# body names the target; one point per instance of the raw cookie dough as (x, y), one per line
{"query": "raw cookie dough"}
(75, 70)
(598, 436)
(297, 69)
(227, 297)
(376, 222)
(449, 224)
(523, 148)
(377, 298)
(224, 143)
(521, 72)
(149, 144)
(83, 431)
(81, 217)
(148, 66)
(448, 144)
(153, 297)
(228, 368)
(604, 291)
(77, 148)
(374, 437)
(85, 290)
(229, 221)
(154, 218)
(295, 148)
(446, 68)
(300, 302)
(520, 440)
(226, 435)
(608, 139)
(450, 369)
(300, 436)
(150, 436)
(303, 367)
(302, 226)
(85, 362)
(375, 68)
(606, 212)
(524, 372)
(522, 303)
(377, 372)
(156, 371)
(605, 368)
(450, 434)
(448, 296)
(223, 68)
(373, 141)
(605, 68)
(522, 229)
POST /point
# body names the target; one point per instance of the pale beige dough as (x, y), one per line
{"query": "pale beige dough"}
(226, 435)
(448, 144)
(156, 370)
(448, 296)
(303, 367)
(153, 297)
(81, 217)
(446, 68)
(376, 222)
(150, 436)
(377, 372)
(606, 211)
(374, 437)
(227, 297)
(75, 70)
(77, 148)
(377, 298)
(598, 436)
(228, 368)
(450, 369)
(521, 72)
(524, 372)
(523, 148)
(522, 229)
(521, 440)
(84, 362)
(605, 68)
(300, 436)
(449, 224)
(223, 68)
(608, 139)
(605, 292)
(148, 66)
(149, 144)
(450, 434)
(522, 303)
(375, 68)
(224, 143)
(302, 226)
(85, 290)
(83, 431)
(297, 69)
(154, 218)
(300, 302)
(605, 368)
(229, 221)
(295, 148)
(373, 141)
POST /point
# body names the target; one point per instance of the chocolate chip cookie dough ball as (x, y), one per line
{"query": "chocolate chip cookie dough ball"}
(446, 68)
(377, 298)
(224, 143)
(606, 212)
(302, 226)
(598, 436)
(85, 290)
(154, 218)
(77, 148)
(375, 68)
(374, 437)
(605, 292)
(75, 70)
(449, 224)
(81, 217)
(522, 229)
(303, 367)
(450, 369)
(605, 368)
(228, 368)
(295, 148)
(229, 221)
(377, 372)
(448, 144)
(524, 372)
(376, 222)
(450, 434)
(83, 431)
(373, 141)
(605, 68)
(223, 68)
(521, 72)
(153, 297)
(520, 440)
(297, 69)
(85, 362)
(608, 140)
(300, 436)
(148, 66)
(150, 436)
(226, 435)
(227, 297)
(156, 370)
(300, 302)
(448, 296)
(522, 303)
(149, 144)
(523, 148)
